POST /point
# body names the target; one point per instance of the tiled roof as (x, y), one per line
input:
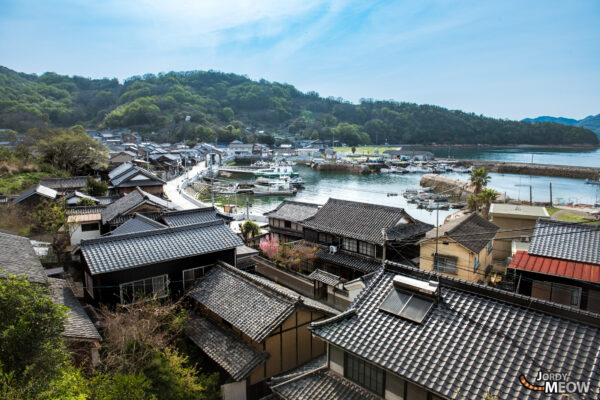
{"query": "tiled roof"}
(190, 217)
(355, 220)
(83, 210)
(78, 325)
(40, 190)
(324, 277)
(121, 175)
(254, 305)
(566, 240)
(137, 223)
(17, 257)
(62, 184)
(408, 230)
(131, 201)
(294, 211)
(81, 195)
(475, 340)
(232, 353)
(472, 231)
(357, 263)
(554, 266)
(113, 253)
(321, 384)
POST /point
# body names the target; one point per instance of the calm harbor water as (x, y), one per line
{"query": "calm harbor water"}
(374, 188)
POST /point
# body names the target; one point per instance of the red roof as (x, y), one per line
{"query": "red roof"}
(554, 266)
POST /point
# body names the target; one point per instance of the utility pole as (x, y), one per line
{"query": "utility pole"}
(247, 208)
(437, 234)
(550, 194)
(530, 195)
(212, 179)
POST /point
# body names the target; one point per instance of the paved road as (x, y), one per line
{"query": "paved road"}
(172, 188)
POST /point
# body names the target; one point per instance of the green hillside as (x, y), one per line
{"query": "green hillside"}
(219, 105)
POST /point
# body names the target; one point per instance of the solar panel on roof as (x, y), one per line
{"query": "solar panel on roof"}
(406, 305)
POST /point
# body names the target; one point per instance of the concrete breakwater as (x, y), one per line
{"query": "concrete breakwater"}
(441, 183)
(342, 167)
(562, 171)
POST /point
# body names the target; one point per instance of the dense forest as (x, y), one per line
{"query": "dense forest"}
(215, 106)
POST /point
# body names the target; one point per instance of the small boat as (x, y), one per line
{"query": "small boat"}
(273, 187)
(592, 182)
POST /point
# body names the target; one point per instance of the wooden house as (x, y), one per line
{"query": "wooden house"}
(284, 221)
(126, 177)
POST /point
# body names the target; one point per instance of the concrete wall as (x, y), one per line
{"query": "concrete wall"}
(77, 234)
(503, 240)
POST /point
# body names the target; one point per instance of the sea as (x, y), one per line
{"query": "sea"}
(387, 189)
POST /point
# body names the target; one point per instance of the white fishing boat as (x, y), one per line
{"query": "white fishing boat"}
(273, 187)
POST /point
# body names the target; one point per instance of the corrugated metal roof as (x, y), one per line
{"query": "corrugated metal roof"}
(553, 266)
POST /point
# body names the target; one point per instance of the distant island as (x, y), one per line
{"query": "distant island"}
(215, 106)
(592, 122)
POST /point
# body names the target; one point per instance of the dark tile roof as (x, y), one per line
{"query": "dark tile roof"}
(408, 231)
(137, 223)
(78, 325)
(120, 176)
(83, 210)
(472, 231)
(17, 257)
(355, 262)
(131, 201)
(190, 217)
(321, 384)
(113, 253)
(475, 340)
(294, 211)
(355, 220)
(233, 354)
(566, 240)
(254, 305)
(324, 277)
(39, 190)
(65, 184)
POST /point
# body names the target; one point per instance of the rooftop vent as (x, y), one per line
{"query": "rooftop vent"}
(429, 288)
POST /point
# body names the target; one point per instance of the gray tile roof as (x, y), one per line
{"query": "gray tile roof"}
(83, 210)
(232, 353)
(131, 201)
(476, 340)
(324, 277)
(355, 220)
(113, 253)
(190, 217)
(65, 184)
(137, 223)
(254, 305)
(321, 384)
(78, 325)
(17, 257)
(472, 231)
(294, 211)
(39, 190)
(355, 262)
(408, 231)
(566, 240)
(120, 176)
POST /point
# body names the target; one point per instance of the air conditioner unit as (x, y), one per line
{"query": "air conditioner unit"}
(524, 239)
(333, 249)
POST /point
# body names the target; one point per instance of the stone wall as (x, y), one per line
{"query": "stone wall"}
(563, 171)
(444, 184)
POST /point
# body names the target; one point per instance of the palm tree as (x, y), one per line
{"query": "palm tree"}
(487, 197)
(479, 178)
(473, 203)
(249, 229)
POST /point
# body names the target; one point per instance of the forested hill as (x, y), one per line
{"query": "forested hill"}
(220, 105)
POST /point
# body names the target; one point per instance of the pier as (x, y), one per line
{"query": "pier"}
(562, 171)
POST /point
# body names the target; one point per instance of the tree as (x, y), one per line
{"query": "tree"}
(227, 114)
(85, 202)
(95, 187)
(353, 149)
(473, 203)
(32, 352)
(51, 217)
(205, 134)
(73, 151)
(269, 246)
(487, 197)
(249, 229)
(479, 179)
(119, 386)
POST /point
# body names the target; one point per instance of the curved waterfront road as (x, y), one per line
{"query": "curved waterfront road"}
(172, 188)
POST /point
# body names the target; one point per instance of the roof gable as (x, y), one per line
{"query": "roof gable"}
(293, 211)
(17, 257)
(130, 202)
(138, 223)
(472, 231)
(566, 240)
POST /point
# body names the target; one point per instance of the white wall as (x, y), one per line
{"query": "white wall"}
(77, 234)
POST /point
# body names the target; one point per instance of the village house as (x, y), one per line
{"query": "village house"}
(32, 197)
(126, 177)
(562, 264)
(64, 186)
(416, 155)
(417, 335)
(253, 328)
(122, 157)
(354, 238)
(462, 248)
(155, 261)
(284, 221)
(516, 223)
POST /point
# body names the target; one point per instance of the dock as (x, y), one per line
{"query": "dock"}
(561, 171)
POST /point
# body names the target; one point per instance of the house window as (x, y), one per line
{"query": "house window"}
(475, 263)
(367, 249)
(489, 247)
(89, 227)
(288, 224)
(89, 285)
(190, 276)
(445, 264)
(350, 245)
(364, 373)
(133, 292)
(325, 238)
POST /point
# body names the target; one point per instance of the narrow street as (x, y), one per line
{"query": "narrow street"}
(173, 186)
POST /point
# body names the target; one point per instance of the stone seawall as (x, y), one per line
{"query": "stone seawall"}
(342, 167)
(447, 185)
(562, 171)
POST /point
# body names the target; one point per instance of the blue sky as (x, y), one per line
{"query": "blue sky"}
(506, 59)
